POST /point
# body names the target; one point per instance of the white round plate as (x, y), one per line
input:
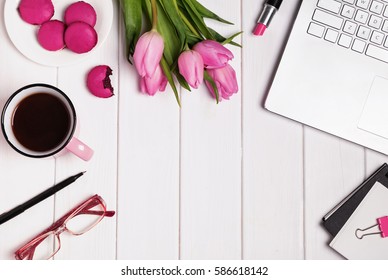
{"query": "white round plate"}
(23, 35)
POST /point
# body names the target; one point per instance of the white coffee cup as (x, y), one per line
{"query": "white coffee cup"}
(39, 120)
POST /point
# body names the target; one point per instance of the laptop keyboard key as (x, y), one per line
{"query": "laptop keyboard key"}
(358, 46)
(385, 26)
(328, 19)
(350, 27)
(377, 53)
(363, 4)
(316, 30)
(363, 32)
(375, 21)
(345, 41)
(348, 11)
(361, 16)
(330, 5)
(377, 37)
(331, 35)
(385, 14)
(376, 7)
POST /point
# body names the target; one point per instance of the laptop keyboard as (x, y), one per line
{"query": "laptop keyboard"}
(358, 25)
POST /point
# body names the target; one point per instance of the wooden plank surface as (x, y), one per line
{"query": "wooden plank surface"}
(21, 177)
(272, 147)
(211, 163)
(148, 159)
(97, 127)
(333, 168)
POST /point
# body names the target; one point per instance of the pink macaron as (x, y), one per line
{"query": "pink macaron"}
(81, 11)
(80, 37)
(50, 35)
(36, 11)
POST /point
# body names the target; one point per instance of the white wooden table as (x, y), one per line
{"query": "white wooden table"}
(205, 181)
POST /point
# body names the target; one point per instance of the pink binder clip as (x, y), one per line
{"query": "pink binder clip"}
(382, 224)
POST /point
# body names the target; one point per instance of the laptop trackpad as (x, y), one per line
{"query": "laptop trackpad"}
(374, 117)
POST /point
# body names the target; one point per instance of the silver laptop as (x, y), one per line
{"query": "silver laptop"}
(334, 72)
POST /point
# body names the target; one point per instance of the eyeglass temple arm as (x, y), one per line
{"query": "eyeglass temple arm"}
(107, 213)
(25, 254)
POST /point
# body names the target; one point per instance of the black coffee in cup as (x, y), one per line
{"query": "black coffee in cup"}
(41, 122)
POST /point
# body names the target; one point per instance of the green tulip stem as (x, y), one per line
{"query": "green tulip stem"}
(154, 14)
(189, 25)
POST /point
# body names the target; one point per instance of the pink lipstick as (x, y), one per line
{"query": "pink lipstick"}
(269, 10)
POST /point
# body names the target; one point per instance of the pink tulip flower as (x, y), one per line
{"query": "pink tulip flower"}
(213, 53)
(226, 82)
(148, 53)
(151, 85)
(191, 67)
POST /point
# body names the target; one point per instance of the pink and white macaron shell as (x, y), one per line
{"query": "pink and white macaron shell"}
(50, 35)
(80, 37)
(36, 11)
(81, 11)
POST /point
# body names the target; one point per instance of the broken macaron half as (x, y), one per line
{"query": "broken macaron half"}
(98, 81)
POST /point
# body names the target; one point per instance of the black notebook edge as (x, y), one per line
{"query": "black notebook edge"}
(335, 219)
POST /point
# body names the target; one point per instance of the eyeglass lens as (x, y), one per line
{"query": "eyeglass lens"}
(47, 245)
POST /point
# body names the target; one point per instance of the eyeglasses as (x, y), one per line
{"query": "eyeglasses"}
(79, 220)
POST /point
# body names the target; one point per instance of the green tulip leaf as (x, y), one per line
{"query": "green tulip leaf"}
(197, 20)
(221, 39)
(192, 40)
(207, 13)
(132, 15)
(170, 78)
(230, 39)
(186, 18)
(171, 9)
(209, 79)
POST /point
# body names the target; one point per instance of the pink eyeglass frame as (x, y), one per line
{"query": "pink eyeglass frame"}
(26, 252)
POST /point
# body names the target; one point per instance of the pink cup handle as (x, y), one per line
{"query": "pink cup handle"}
(80, 149)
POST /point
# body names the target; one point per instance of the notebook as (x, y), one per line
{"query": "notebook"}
(348, 241)
(333, 74)
(338, 216)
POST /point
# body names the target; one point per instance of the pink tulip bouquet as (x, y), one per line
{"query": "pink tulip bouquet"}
(178, 47)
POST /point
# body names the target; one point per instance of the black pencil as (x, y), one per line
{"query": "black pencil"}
(38, 198)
